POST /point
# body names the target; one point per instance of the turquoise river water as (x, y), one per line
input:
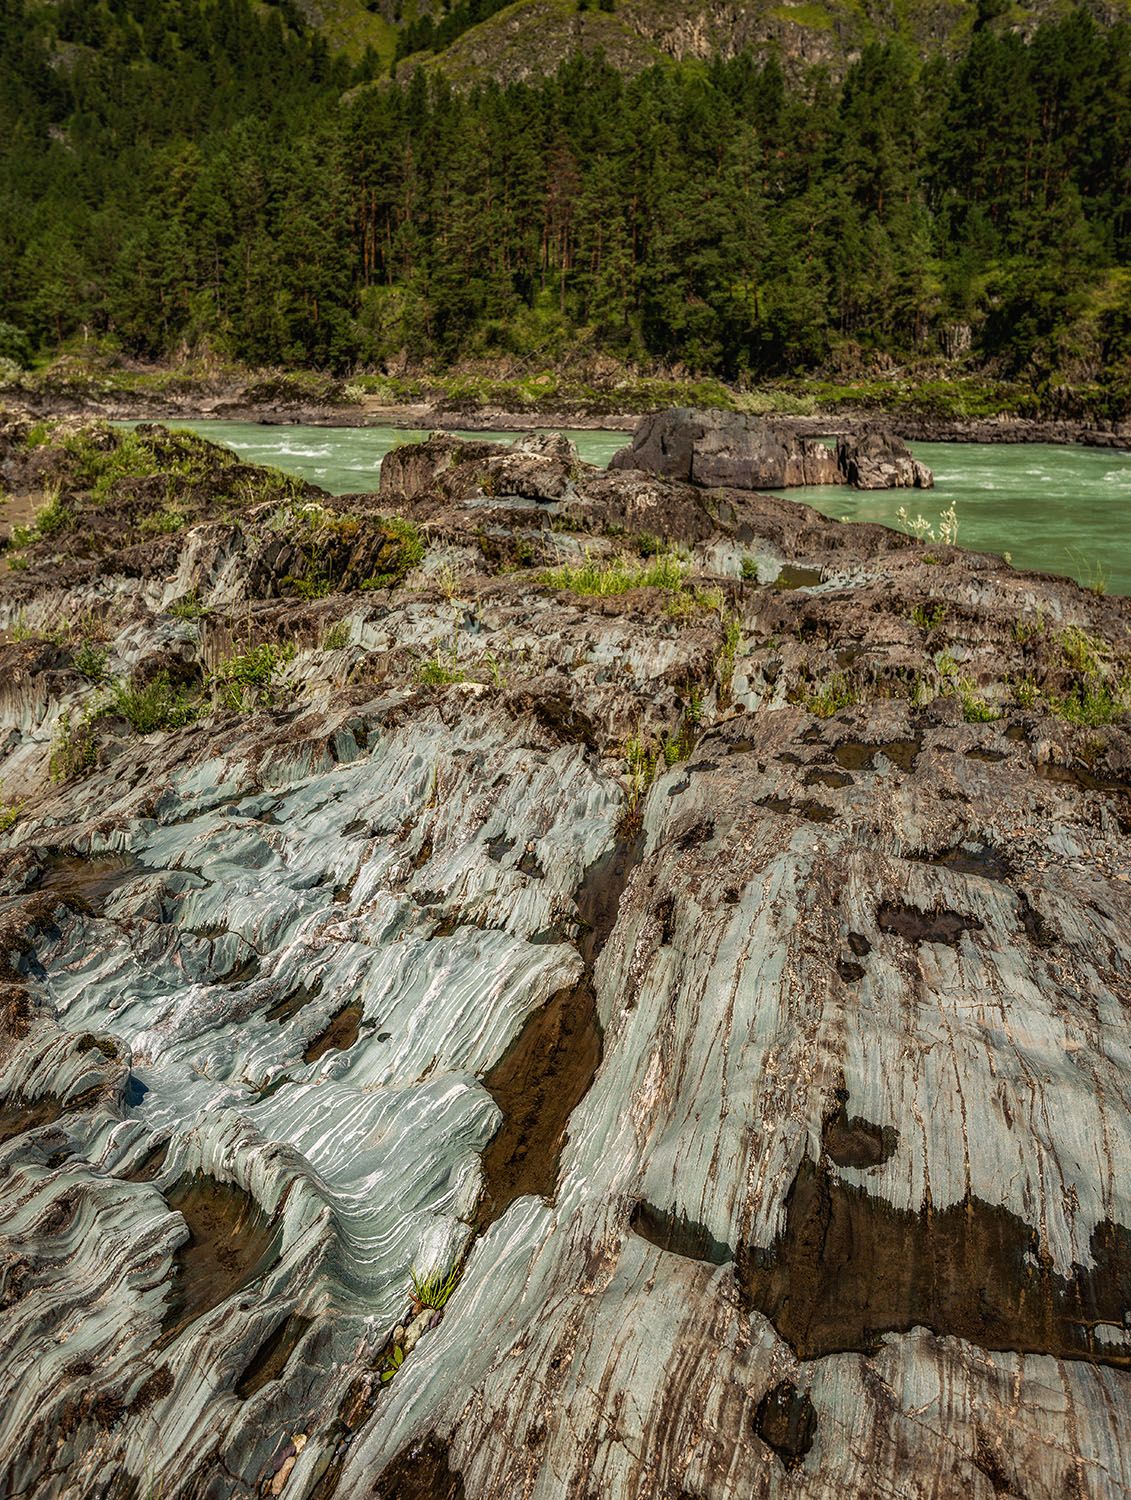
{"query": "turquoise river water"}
(1059, 509)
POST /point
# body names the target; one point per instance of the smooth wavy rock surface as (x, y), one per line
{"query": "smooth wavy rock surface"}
(727, 975)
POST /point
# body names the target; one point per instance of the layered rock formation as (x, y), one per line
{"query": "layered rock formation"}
(727, 449)
(700, 925)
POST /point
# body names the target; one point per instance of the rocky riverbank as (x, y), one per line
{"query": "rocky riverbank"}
(483, 404)
(544, 981)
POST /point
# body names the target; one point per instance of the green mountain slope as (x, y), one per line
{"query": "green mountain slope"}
(531, 37)
(350, 26)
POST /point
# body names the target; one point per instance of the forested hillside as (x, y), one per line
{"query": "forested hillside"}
(187, 175)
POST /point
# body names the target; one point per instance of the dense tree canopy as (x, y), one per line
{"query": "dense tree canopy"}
(186, 174)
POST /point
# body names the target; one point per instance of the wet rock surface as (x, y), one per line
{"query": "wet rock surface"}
(722, 988)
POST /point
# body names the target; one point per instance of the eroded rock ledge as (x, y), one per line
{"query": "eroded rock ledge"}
(700, 926)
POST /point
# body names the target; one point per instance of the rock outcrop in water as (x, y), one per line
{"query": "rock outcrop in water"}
(876, 460)
(719, 958)
(729, 450)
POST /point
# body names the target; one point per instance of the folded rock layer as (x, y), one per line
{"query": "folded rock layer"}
(542, 982)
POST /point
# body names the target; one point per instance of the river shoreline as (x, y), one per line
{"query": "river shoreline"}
(233, 405)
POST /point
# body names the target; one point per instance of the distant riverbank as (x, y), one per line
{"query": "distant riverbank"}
(937, 411)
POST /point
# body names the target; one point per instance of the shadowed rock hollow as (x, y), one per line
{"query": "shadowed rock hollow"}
(700, 925)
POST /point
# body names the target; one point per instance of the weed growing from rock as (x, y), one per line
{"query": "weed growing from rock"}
(160, 705)
(164, 522)
(338, 637)
(89, 661)
(73, 750)
(38, 435)
(835, 694)
(435, 1289)
(928, 617)
(975, 709)
(245, 681)
(188, 608)
(728, 651)
(9, 815)
(441, 670)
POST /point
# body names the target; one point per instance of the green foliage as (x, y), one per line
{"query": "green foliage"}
(1093, 702)
(1026, 692)
(246, 680)
(435, 1289)
(750, 568)
(393, 1360)
(687, 603)
(51, 517)
(831, 697)
(645, 758)
(1101, 693)
(723, 216)
(73, 750)
(338, 637)
(975, 709)
(440, 670)
(89, 660)
(323, 535)
(1080, 651)
(1025, 631)
(9, 815)
(157, 706)
(162, 522)
(188, 607)
(495, 673)
(928, 617)
(38, 435)
(98, 463)
(728, 651)
(412, 546)
(54, 515)
(15, 346)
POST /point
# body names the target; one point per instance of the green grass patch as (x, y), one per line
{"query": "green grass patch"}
(160, 705)
(246, 680)
(163, 522)
(440, 670)
(604, 578)
(188, 607)
(831, 697)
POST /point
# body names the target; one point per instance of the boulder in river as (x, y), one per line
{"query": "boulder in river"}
(878, 460)
(718, 448)
(733, 450)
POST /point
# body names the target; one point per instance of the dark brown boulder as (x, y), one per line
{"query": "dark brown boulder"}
(877, 460)
(717, 449)
(734, 451)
